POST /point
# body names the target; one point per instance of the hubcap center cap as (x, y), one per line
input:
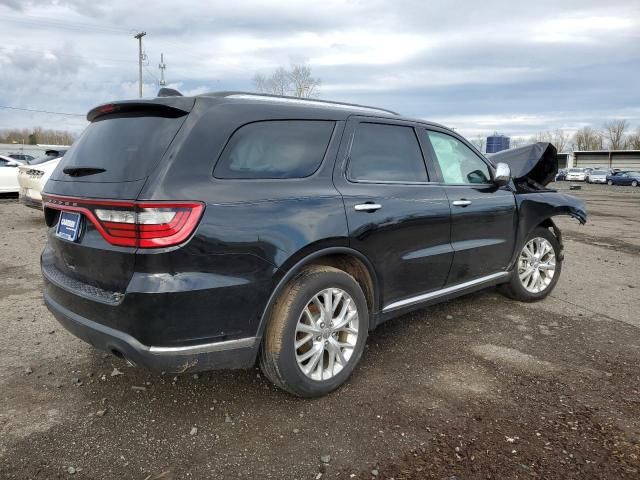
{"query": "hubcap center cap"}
(326, 333)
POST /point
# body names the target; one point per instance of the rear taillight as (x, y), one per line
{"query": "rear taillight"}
(135, 224)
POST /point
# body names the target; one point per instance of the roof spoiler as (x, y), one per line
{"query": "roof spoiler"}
(173, 106)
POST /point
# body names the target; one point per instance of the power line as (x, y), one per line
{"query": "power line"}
(18, 49)
(63, 24)
(151, 74)
(42, 111)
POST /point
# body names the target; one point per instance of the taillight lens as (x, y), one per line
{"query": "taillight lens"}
(135, 224)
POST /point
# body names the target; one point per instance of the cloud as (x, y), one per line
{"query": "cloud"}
(515, 67)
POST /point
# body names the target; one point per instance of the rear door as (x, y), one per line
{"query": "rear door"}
(483, 216)
(397, 218)
(105, 168)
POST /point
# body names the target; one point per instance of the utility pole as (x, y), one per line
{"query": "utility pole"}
(139, 37)
(162, 66)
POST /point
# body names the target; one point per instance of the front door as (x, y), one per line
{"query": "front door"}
(483, 216)
(397, 218)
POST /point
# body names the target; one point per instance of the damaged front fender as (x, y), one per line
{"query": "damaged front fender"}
(537, 208)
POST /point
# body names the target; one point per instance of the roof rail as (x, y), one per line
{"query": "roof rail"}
(295, 100)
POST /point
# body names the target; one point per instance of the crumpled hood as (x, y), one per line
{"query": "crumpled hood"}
(537, 162)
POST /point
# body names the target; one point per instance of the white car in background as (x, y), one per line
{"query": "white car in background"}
(576, 174)
(34, 176)
(9, 175)
(598, 176)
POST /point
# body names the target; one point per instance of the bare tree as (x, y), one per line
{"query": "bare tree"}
(541, 137)
(588, 139)
(479, 142)
(614, 132)
(515, 142)
(36, 135)
(633, 140)
(560, 140)
(297, 81)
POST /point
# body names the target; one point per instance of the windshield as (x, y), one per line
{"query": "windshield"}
(126, 147)
(598, 172)
(575, 170)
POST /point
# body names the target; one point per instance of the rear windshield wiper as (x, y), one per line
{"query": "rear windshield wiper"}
(82, 171)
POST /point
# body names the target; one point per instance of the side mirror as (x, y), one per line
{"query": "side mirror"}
(503, 174)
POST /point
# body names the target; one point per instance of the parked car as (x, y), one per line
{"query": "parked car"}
(561, 176)
(192, 233)
(597, 176)
(624, 178)
(33, 177)
(8, 175)
(576, 174)
(22, 157)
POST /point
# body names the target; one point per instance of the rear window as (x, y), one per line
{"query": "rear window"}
(275, 149)
(126, 147)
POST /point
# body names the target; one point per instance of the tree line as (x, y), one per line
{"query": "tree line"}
(35, 136)
(614, 135)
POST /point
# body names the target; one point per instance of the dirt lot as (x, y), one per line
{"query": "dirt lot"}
(481, 387)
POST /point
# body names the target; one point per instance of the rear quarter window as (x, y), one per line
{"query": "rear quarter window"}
(275, 149)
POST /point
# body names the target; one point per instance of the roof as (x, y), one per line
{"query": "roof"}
(605, 152)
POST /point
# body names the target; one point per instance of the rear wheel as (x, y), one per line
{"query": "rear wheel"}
(538, 268)
(316, 332)
(634, 183)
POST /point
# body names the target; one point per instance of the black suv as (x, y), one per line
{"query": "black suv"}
(193, 233)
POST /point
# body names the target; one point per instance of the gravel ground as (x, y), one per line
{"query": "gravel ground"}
(480, 387)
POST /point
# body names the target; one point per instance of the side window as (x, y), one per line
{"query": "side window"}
(275, 149)
(3, 162)
(458, 163)
(386, 153)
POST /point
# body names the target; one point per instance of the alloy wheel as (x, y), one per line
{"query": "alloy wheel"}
(537, 265)
(326, 334)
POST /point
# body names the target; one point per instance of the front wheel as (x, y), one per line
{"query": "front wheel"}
(609, 182)
(634, 183)
(537, 269)
(316, 332)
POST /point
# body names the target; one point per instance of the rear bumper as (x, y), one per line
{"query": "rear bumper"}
(230, 354)
(25, 199)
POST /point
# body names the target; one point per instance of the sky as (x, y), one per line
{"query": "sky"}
(516, 68)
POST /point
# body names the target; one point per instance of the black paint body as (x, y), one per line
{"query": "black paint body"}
(256, 234)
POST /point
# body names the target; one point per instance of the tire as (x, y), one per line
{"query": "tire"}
(280, 355)
(609, 182)
(634, 183)
(523, 290)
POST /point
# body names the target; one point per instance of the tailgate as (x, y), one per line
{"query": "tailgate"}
(102, 174)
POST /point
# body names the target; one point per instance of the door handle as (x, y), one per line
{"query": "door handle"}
(367, 207)
(462, 203)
